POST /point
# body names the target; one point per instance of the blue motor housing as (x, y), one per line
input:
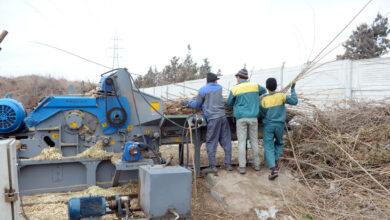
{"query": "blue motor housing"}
(11, 115)
(132, 152)
(105, 86)
(86, 207)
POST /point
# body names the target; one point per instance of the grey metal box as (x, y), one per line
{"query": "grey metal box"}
(164, 188)
(8, 179)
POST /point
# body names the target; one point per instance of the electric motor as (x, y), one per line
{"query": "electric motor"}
(86, 207)
(11, 115)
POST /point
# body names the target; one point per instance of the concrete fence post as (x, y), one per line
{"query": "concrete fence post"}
(348, 79)
(281, 75)
(184, 89)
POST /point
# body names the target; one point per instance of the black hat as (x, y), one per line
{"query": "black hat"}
(211, 77)
(271, 84)
(243, 74)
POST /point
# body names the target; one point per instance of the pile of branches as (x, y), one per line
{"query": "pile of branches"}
(173, 107)
(342, 154)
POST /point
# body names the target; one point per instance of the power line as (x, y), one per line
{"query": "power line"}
(70, 53)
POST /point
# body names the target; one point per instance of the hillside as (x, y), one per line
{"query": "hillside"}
(30, 89)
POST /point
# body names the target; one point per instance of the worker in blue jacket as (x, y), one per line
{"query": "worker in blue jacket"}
(274, 116)
(218, 129)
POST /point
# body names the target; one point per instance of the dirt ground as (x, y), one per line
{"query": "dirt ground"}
(228, 195)
(231, 195)
(168, 151)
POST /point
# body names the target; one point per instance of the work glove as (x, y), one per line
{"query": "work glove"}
(184, 103)
(292, 84)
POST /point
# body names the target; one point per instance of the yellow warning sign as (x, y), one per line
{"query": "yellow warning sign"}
(177, 140)
(55, 135)
(130, 127)
(112, 142)
(73, 124)
(155, 105)
(104, 125)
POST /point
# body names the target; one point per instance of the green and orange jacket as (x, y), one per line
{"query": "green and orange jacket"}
(244, 97)
(272, 106)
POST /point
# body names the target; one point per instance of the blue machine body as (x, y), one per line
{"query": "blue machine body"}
(96, 106)
(132, 152)
(11, 115)
(86, 207)
(104, 86)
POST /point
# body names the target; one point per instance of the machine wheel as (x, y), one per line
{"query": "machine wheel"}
(116, 117)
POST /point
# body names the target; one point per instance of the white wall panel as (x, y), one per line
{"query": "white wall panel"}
(363, 79)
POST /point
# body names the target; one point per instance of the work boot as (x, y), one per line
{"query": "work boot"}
(210, 169)
(241, 170)
(274, 174)
(256, 167)
(227, 167)
(277, 165)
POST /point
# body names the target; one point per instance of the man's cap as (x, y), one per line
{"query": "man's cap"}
(243, 74)
(271, 84)
(211, 77)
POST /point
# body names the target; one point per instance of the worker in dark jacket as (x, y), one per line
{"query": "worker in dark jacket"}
(244, 97)
(218, 129)
(274, 116)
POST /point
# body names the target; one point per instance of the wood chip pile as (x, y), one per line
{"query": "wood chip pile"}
(97, 152)
(49, 153)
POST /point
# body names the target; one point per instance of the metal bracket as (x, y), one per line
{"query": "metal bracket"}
(10, 195)
(121, 166)
(198, 120)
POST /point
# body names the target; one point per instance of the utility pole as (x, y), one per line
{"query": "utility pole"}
(2, 36)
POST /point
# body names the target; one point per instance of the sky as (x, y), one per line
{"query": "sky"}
(257, 33)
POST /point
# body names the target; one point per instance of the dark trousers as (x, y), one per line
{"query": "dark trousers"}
(218, 130)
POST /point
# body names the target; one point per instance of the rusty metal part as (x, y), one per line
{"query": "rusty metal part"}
(113, 204)
(10, 195)
(19, 145)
